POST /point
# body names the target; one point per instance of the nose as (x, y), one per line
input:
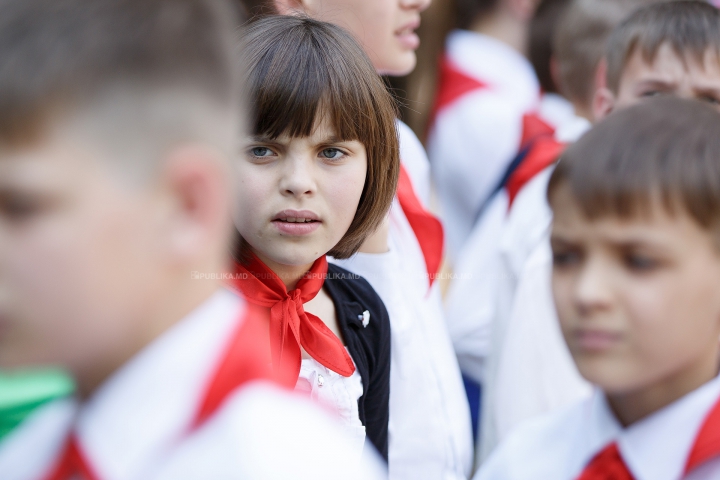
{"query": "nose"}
(297, 178)
(419, 5)
(593, 291)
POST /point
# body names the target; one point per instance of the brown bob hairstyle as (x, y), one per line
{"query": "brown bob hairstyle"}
(299, 69)
(664, 148)
(691, 28)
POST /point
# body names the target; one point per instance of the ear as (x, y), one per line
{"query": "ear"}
(523, 9)
(198, 222)
(290, 7)
(603, 103)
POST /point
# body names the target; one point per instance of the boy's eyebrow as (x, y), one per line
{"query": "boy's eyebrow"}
(708, 89)
(656, 82)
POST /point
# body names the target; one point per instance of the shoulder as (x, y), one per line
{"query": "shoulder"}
(351, 287)
(415, 160)
(243, 440)
(539, 448)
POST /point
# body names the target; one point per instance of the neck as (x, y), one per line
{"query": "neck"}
(636, 405)
(584, 111)
(289, 274)
(178, 297)
(502, 26)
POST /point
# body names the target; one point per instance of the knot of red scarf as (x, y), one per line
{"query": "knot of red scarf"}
(290, 326)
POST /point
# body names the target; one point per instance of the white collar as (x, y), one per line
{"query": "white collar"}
(656, 447)
(494, 63)
(146, 406)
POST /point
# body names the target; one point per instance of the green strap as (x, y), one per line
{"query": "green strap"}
(21, 392)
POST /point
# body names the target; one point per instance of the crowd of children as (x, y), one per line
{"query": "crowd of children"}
(221, 249)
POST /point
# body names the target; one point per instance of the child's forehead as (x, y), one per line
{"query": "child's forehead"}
(646, 219)
(668, 59)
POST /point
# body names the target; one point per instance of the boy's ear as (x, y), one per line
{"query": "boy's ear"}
(523, 9)
(196, 181)
(603, 103)
(290, 7)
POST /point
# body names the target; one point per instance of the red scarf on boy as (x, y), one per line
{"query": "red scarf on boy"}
(290, 326)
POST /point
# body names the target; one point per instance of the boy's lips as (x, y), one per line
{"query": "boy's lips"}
(296, 222)
(595, 340)
(407, 36)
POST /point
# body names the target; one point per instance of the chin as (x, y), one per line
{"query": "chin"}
(295, 255)
(400, 65)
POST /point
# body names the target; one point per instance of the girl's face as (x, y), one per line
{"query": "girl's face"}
(385, 28)
(298, 196)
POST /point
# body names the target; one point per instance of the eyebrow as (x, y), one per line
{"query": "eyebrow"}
(657, 83)
(714, 91)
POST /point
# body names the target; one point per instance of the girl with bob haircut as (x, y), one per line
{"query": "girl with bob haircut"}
(317, 176)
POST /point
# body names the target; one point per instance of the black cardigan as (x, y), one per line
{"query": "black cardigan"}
(369, 348)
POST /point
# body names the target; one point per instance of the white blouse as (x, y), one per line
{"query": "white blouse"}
(337, 393)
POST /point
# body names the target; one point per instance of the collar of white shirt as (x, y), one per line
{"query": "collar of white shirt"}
(494, 63)
(656, 447)
(147, 406)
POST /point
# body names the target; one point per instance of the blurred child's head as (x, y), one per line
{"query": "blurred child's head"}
(116, 121)
(543, 25)
(636, 246)
(477, 14)
(666, 49)
(384, 28)
(319, 171)
(579, 46)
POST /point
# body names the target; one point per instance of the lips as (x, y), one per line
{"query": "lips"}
(407, 36)
(296, 222)
(596, 341)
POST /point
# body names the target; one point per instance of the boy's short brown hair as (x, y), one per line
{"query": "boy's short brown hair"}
(63, 53)
(299, 69)
(691, 28)
(580, 41)
(666, 147)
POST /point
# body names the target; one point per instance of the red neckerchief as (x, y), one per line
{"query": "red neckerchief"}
(246, 358)
(707, 442)
(606, 465)
(290, 326)
(427, 228)
(453, 84)
(705, 449)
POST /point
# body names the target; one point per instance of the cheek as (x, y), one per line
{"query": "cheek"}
(71, 276)
(254, 196)
(672, 316)
(343, 193)
(562, 290)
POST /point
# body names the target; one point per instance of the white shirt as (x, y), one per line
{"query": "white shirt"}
(529, 369)
(473, 140)
(429, 432)
(337, 393)
(558, 446)
(136, 425)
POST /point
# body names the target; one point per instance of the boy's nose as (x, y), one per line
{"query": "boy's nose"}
(592, 290)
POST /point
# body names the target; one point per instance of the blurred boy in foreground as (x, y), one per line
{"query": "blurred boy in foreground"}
(118, 120)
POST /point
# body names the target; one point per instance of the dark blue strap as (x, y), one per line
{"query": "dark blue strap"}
(516, 162)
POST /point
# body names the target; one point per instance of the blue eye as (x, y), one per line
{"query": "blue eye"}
(261, 152)
(331, 154)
